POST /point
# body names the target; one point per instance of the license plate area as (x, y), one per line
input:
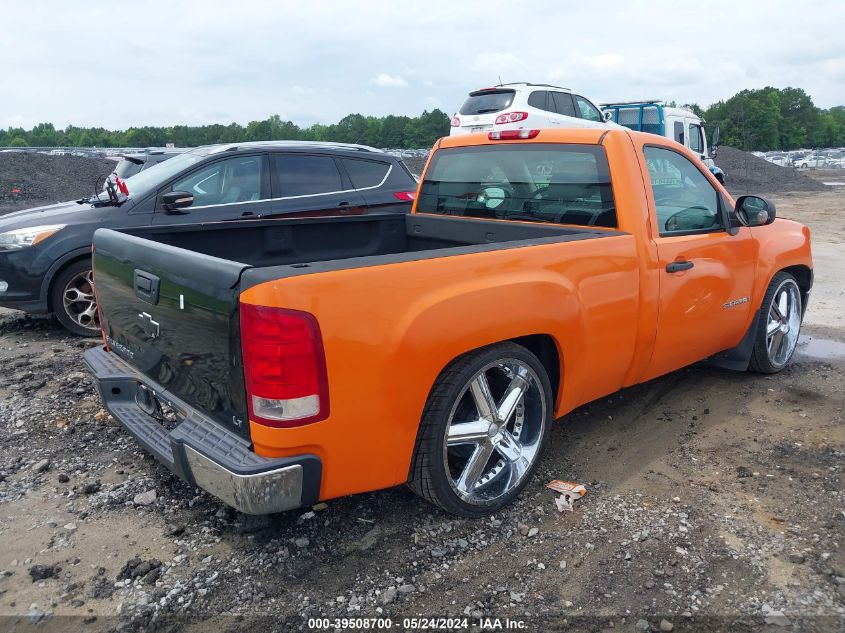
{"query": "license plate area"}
(156, 406)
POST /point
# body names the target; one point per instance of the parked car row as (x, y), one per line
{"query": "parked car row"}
(45, 253)
(807, 159)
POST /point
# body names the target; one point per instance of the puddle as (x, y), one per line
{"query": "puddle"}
(817, 347)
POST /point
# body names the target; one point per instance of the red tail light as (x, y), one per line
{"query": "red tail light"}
(284, 366)
(509, 135)
(511, 117)
(456, 122)
(405, 196)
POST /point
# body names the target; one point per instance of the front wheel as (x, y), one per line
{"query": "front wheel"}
(778, 326)
(73, 301)
(483, 429)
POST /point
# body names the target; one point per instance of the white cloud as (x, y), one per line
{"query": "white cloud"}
(319, 61)
(390, 81)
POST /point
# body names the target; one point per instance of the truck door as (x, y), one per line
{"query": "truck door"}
(706, 274)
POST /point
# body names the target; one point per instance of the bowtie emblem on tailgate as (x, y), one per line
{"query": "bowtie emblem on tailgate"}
(150, 326)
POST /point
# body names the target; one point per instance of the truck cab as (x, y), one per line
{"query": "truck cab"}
(679, 124)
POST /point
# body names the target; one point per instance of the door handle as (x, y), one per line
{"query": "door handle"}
(343, 204)
(676, 267)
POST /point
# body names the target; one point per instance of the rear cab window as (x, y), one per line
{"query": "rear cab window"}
(538, 182)
(487, 101)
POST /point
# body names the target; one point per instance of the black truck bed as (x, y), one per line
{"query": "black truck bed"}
(305, 245)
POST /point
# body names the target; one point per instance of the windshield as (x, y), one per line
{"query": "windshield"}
(564, 184)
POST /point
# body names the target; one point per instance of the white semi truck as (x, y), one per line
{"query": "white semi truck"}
(679, 124)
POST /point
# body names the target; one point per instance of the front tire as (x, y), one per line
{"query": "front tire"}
(73, 301)
(483, 430)
(778, 326)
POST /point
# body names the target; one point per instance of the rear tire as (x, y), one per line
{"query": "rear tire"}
(72, 299)
(483, 431)
(778, 325)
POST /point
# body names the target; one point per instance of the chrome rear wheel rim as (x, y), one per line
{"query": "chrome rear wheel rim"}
(494, 431)
(783, 323)
(79, 302)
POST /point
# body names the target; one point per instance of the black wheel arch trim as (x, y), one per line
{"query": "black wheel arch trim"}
(738, 358)
(55, 267)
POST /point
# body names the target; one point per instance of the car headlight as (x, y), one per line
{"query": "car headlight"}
(30, 236)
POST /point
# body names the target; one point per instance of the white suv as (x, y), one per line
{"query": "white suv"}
(523, 105)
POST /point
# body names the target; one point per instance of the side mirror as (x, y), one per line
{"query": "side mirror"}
(714, 142)
(608, 115)
(173, 200)
(755, 211)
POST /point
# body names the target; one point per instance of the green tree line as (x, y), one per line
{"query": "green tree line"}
(387, 132)
(775, 119)
(761, 119)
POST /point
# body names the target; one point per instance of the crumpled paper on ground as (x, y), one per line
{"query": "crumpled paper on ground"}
(570, 492)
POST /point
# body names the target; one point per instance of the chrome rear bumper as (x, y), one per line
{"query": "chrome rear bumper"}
(202, 452)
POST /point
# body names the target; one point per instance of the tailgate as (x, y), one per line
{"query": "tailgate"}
(172, 314)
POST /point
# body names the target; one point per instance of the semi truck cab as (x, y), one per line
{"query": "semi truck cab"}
(679, 124)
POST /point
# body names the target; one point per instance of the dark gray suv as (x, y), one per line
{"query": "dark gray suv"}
(45, 253)
(131, 164)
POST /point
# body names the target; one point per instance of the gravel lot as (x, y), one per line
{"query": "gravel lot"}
(715, 503)
(29, 179)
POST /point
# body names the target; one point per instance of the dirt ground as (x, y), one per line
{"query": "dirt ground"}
(715, 502)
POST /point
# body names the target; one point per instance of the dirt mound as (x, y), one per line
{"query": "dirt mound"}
(748, 173)
(28, 179)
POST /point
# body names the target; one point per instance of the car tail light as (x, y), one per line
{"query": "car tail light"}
(511, 117)
(507, 135)
(405, 196)
(456, 122)
(284, 366)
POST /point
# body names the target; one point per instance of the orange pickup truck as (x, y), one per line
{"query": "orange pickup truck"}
(276, 363)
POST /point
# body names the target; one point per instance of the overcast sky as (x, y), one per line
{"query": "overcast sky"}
(116, 64)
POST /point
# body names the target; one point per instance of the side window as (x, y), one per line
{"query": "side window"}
(537, 99)
(563, 103)
(224, 182)
(679, 132)
(588, 110)
(305, 175)
(365, 173)
(695, 143)
(685, 200)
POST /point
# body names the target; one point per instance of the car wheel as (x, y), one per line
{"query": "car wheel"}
(483, 430)
(778, 326)
(72, 299)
